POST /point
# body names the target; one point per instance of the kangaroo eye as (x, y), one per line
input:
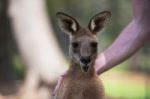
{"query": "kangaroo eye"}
(94, 44)
(75, 45)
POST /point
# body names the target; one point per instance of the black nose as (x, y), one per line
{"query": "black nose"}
(85, 60)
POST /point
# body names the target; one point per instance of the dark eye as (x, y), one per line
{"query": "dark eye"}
(75, 45)
(94, 44)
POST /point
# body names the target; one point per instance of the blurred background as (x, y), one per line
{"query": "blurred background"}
(34, 52)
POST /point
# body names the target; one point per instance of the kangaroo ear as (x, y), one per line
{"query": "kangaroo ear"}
(98, 21)
(67, 23)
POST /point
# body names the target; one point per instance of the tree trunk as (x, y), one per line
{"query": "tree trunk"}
(37, 45)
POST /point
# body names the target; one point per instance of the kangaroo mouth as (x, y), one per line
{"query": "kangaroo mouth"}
(85, 68)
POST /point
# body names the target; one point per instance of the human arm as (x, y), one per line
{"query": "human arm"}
(130, 40)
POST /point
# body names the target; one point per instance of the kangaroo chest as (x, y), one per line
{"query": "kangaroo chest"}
(81, 88)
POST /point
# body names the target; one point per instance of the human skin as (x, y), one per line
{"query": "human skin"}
(131, 39)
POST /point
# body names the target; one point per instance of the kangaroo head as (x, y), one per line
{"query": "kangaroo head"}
(83, 41)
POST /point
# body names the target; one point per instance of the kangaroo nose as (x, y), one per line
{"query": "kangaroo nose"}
(85, 60)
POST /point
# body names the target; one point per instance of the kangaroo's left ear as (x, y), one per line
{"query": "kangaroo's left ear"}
(98, 21)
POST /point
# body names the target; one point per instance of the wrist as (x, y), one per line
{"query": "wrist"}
(100, 62)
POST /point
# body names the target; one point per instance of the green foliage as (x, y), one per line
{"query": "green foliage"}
(18, 66)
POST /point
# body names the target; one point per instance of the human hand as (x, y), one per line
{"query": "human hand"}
(100, 62)
(58, 85)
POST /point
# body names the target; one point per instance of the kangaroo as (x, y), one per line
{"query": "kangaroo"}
(81, 80)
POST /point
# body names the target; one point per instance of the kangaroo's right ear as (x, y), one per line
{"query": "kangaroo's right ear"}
(98, 22)
(67, 24)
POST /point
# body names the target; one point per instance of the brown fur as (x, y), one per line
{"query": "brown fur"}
(79, 85)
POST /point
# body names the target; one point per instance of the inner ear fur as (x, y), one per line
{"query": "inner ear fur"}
(67, 23)
(98, 21)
